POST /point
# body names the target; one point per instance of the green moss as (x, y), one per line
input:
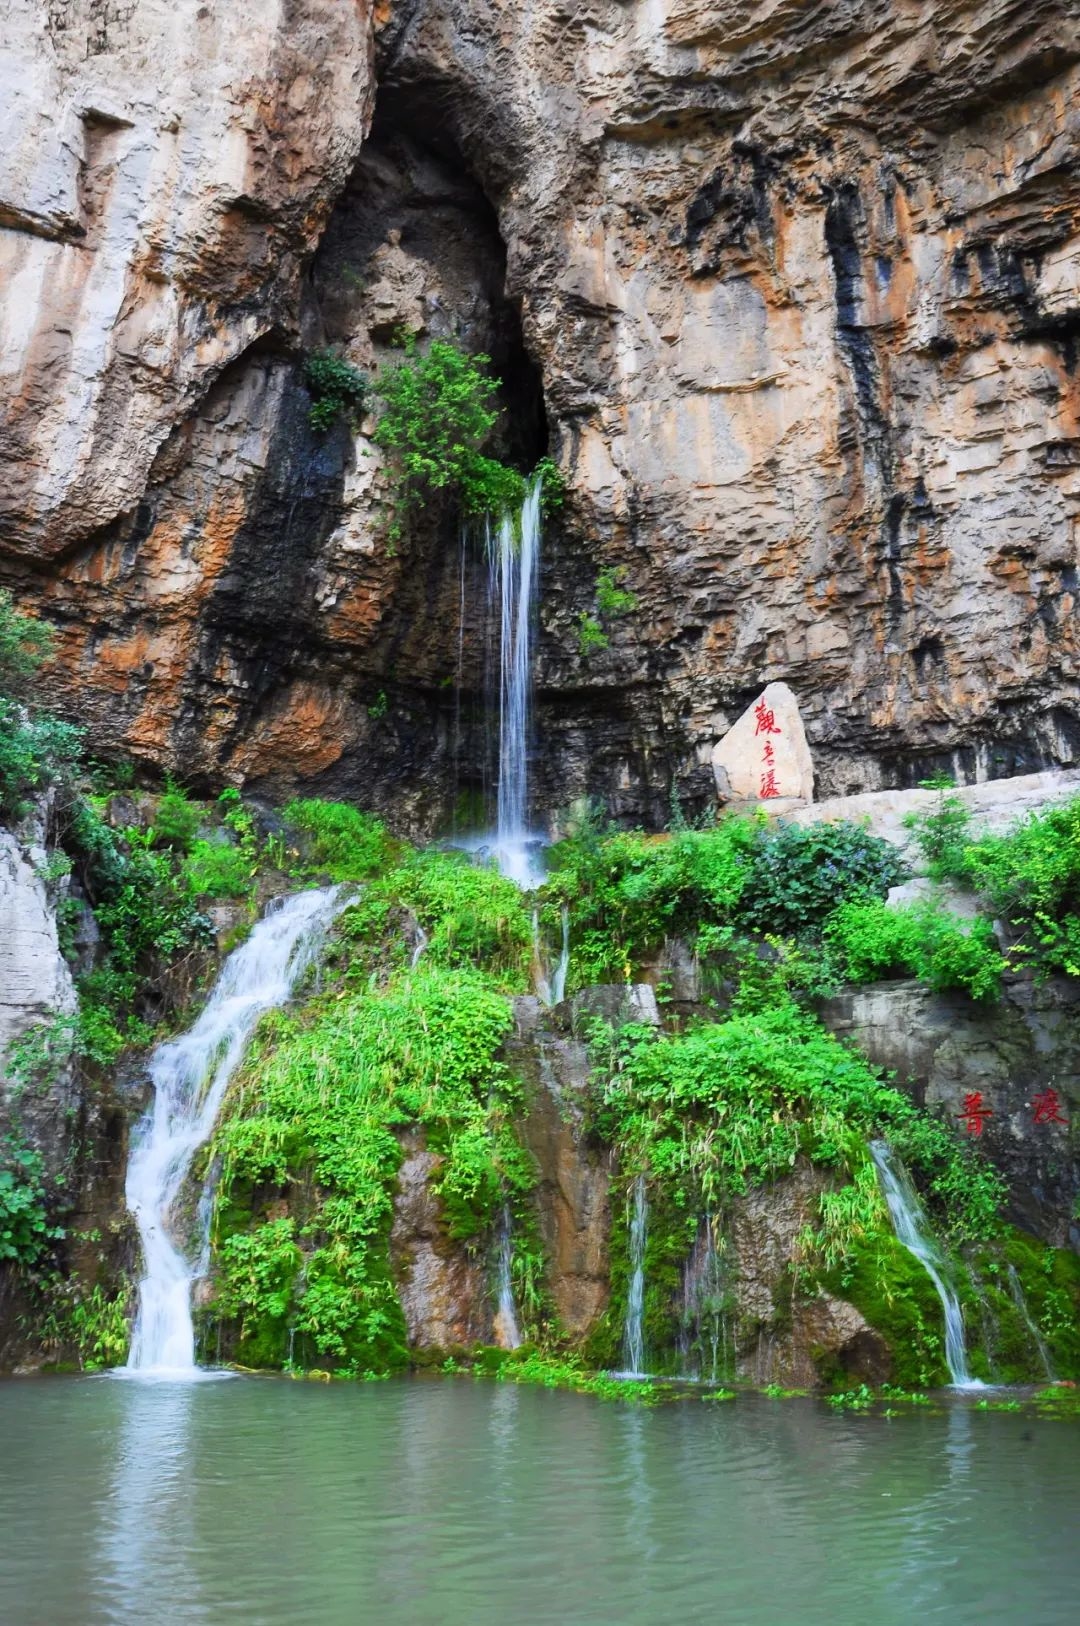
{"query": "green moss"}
(896, 1296)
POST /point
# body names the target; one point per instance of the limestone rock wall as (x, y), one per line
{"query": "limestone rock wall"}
(165, 166)
(799, 286)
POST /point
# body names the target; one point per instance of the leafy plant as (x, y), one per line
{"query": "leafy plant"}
(943, 833)
(338, 389)
(439, 412)
(341, 841)
(26, 1232)
(922, 940)
(800, 873)
(591, 635)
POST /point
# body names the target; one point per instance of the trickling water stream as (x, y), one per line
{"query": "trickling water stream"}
(506, 1324)
(1021, 1303)
(551, 988)
(912, 1229)
(190, 1075)
(633, 1331)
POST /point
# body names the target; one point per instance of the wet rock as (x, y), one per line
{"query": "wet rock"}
(443, 1290)
(572, 1196)
(782, 1336)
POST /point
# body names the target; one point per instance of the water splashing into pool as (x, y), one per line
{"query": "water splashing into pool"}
(190, 1075)
(633, 1330)
(913, 1231)
(506, 1323)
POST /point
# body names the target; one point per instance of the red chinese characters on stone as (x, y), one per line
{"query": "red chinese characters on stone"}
(766, 719)
(769, 786)
(974, 1113)
(1047, 1105)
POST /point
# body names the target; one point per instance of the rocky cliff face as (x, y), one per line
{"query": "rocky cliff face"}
(791, 291)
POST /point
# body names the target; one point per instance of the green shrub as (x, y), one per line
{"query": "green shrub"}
(728, 1104)
(943, 833)
(473, 915)
(176, 819)
(612, 599)
(342, 842)
(25, 1230)
(439, 412)
(1031, 877)
(591, 635)
(920, 940)
(313, 1124)
(217, 869)
(35, 752)
(24, 645)
(337, 389)
(800, 873)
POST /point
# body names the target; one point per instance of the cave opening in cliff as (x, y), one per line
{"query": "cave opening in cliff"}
(414, 247)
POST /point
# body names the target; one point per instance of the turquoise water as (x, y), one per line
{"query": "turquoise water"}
(465, 1503)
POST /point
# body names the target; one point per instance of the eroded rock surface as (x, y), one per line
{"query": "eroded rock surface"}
(800, 287)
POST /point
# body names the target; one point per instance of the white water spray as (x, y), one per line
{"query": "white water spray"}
(515, 573)
(190, 1076)
(1021, 1303)
(551, 989)
(506, 1324)
(913, 1231)
(633, 1330)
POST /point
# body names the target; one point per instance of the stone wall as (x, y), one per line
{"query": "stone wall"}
(800, 288)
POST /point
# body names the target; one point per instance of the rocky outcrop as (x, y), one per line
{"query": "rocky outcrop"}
(573, 1203)
(791, 291)
(443, 1293)
(166, 168)
(1021, 1058)
(781, 1335)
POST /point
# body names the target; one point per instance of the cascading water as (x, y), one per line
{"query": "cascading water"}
(913, 1231)
(633, 1330)
(190, 1076)
(703, 1335)
(506, 1325)
(551, 989)
(515, 572)
(1017, 1292)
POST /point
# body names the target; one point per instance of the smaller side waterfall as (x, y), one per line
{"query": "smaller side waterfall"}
(506, 1325)
(703, 1334)
(633, 1331)
(1021, 1303)
(190, 1075)
(913, 1231)
(551, 989)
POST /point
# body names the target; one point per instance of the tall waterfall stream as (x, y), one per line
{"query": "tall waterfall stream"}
(190, 1075)
(913, 1231)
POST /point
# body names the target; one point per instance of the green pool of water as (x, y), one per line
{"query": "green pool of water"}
(465, 1503)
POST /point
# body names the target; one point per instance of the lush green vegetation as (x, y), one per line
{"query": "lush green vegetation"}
(612, 601)
(922, 940)
(36, 749)
(337, 389)
(26, 1231)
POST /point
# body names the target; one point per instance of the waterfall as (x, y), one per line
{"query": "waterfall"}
(704, 1330)
(506, 1326)
(1022, 1305)
(913, 1231)
(190, 1076)
(515, 572)
(633, 1331)
(551, 990)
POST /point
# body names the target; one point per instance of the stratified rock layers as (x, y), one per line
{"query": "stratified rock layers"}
(800, 286)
